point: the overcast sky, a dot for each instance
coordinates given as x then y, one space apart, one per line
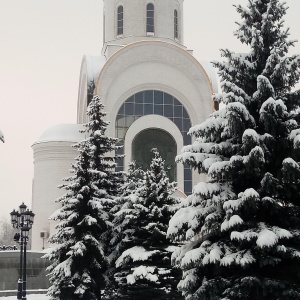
41 46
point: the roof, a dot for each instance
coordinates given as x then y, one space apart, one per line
211 73
94 65
62 133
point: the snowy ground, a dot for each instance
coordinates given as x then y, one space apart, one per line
29 297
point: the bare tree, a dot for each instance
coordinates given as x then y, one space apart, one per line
7 232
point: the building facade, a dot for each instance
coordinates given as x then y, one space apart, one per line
153 89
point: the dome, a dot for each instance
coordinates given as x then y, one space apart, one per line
62 133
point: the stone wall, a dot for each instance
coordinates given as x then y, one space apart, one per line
10 269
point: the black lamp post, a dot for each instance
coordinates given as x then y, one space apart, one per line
23 220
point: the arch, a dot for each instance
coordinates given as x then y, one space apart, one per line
120 20
162 52
156 122
150 18
153 103
150 138
176 24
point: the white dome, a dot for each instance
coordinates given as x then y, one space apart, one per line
63 133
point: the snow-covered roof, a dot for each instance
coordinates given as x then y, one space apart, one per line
211 74
94 65
62 133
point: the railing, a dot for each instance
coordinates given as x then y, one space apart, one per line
5 248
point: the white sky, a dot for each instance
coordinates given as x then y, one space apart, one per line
41 46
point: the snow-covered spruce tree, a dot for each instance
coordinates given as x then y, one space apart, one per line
242 227
143 267
79 249
132 180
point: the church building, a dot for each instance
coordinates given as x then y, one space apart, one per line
153 89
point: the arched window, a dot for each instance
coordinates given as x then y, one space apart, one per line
175 24
103 26
150 18
120 20
154 102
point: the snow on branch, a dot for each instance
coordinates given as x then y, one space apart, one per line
136 253
232 222
266 238
206 190
142 272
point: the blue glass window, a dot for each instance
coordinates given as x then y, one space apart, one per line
177 111
188 186
148 109
139 97
168 111
129 108
178 123
168 99
148 97
158 97
139 109
159 110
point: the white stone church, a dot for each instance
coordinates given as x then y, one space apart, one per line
153 89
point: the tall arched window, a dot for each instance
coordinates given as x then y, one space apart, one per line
150 18
103 26
175 24
120 20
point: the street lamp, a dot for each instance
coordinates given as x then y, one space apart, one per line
23 220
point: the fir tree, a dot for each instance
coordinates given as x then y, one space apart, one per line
120 232
132 182
80 245
242 226
143 266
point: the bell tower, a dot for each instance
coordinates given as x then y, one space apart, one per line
128 21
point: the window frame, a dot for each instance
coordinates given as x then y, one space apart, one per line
120 20
176 27
150 26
